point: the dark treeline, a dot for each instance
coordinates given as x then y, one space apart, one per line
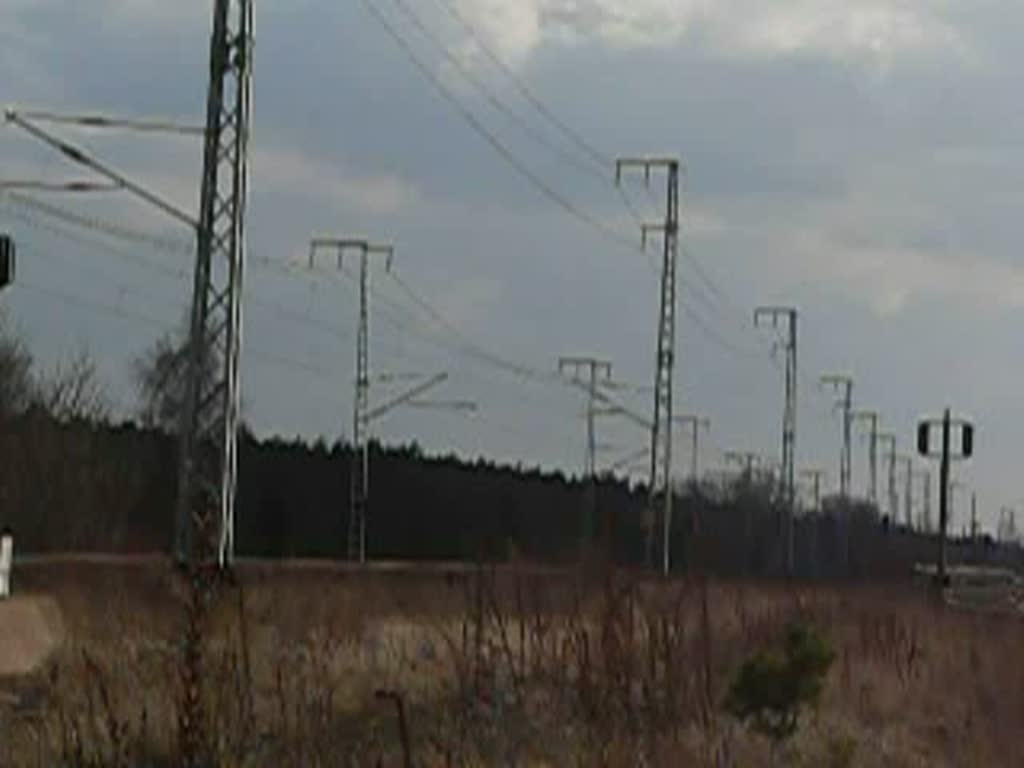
80 485
73 479
86 486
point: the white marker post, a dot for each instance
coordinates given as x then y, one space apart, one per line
6 561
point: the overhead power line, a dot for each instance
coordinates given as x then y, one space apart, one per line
599 160
134 256
93 120
73 186
118 231
598 157
83 158
590 160
106 228
601 171
180 274
471 347
495 143
124 314
455 339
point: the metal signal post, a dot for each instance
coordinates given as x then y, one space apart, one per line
924 431
661 431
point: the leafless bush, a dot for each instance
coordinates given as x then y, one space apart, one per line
518 667
73 391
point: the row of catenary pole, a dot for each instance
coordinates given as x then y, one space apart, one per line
207 478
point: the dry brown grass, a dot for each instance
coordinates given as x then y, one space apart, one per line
510 667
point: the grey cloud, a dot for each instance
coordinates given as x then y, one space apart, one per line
917 157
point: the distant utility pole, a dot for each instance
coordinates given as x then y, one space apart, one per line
695 424
746 460
360 464
630 462
908 490
661 430
789 315
954 486
815 476
1007 530
596 371
890 438
844 387
773 469
872 418
926 507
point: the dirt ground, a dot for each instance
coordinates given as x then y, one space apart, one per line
31 633
511 666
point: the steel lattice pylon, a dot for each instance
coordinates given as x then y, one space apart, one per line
208 459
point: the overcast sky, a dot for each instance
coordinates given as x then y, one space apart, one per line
857 160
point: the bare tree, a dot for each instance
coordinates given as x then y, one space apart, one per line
161 375
73 391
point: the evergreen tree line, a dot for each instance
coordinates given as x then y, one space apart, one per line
74 479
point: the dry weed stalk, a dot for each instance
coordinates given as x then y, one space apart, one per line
529 667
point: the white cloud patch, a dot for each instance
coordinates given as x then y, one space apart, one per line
878 30
297 173
467 302
512 29
889 277
699 222
158 13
